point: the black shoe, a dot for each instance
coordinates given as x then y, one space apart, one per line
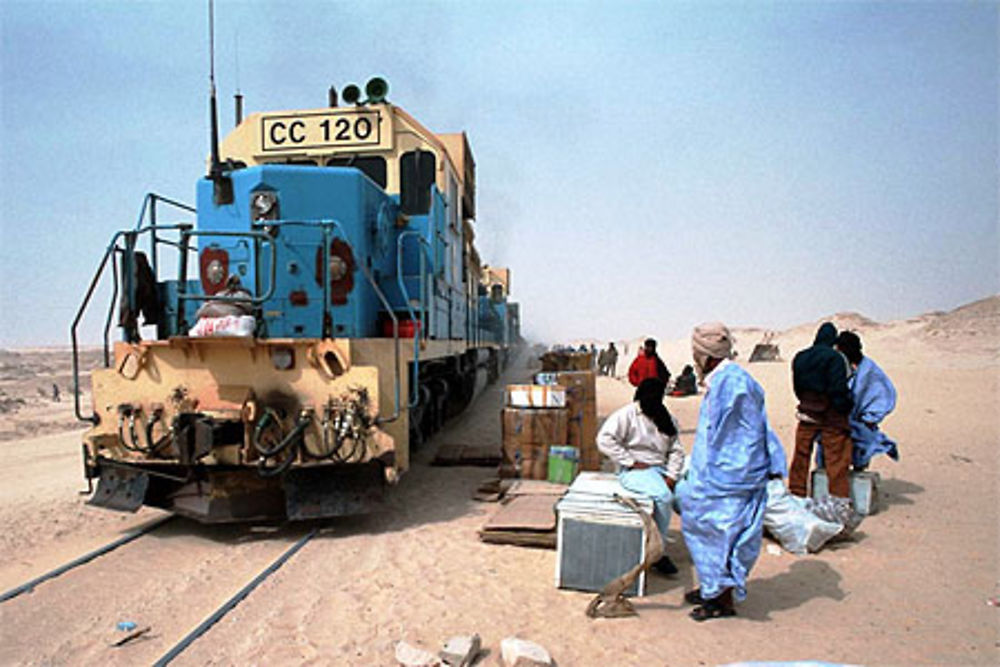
665 566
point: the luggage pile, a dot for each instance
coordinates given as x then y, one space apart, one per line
550 427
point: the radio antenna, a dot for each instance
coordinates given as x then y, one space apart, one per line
238 97
216 168
223 185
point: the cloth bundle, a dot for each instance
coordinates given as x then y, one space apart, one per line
794 524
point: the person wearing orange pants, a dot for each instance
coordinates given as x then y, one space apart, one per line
819 377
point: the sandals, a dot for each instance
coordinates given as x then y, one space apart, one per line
710 609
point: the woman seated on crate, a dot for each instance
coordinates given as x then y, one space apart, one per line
641 438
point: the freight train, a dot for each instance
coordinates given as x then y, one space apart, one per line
326 310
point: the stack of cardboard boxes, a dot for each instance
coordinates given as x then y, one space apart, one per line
581 402
567 361
559 411
534 418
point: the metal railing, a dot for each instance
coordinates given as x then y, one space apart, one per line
424 247
149 207
123 243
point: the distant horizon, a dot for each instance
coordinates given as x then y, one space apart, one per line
733 325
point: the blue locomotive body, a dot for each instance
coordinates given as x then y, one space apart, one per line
328 309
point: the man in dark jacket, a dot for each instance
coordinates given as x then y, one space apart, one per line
819 377
648 364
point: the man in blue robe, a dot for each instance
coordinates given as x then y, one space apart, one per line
874 398
723 497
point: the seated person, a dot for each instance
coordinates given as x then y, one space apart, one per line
641 438
686 384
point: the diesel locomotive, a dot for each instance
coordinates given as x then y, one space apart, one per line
325 310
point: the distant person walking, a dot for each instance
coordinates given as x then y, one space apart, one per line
647 364
610 360
819 378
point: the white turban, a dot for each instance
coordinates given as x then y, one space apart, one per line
712 339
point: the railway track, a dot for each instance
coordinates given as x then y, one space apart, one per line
201 628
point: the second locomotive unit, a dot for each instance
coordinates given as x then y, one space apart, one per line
327 309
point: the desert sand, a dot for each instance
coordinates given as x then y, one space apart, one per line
910 587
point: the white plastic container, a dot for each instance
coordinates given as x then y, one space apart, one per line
863 489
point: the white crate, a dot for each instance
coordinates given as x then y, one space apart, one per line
599 539
863 489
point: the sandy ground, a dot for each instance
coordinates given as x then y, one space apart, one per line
911 587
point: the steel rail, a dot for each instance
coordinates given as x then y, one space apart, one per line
232 602
86 558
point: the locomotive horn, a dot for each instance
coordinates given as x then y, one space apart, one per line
376 89
351 94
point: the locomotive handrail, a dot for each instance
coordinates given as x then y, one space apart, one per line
424 246
395 338
255 300
149 203
109 252
112 246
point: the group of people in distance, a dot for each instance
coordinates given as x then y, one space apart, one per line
648 364
720 490
607 359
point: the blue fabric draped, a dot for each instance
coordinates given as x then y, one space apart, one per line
874 398
723 498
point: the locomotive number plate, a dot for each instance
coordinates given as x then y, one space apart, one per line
342 128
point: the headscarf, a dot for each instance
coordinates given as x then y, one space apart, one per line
711 340
849 343
649 393
826 335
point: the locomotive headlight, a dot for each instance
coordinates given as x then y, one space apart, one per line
264 205
215 272
283 358
338 268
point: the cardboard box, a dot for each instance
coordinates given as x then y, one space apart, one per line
567 361
534 426
564 463
525 429
534 463
535 396
863 489
581 401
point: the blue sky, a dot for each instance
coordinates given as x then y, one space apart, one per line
642 166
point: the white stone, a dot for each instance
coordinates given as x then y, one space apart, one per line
461 651
523 653
412 656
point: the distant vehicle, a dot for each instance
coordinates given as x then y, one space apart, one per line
327 309
766 349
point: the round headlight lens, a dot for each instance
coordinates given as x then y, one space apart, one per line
215 273
283 358
263 205
338 268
